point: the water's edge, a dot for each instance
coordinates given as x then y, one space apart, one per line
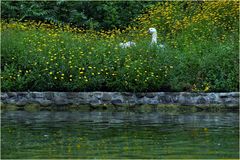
122 100
114 135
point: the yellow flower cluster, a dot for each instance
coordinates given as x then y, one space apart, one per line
64 53
173 17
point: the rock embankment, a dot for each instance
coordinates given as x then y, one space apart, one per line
229 99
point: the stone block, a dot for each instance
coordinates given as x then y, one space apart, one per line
37 95
116 95
153 101
4 96
22 101
127 94
58 102
182 100
94 102
117 102
22 94
188 94
106 97
82 95
150 95
140 95
60 94
98 95
49 95
201 100
44 102
12 100
234 94
223 95
12 94
165 99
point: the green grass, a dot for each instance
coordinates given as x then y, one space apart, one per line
44 59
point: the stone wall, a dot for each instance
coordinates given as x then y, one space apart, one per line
230 99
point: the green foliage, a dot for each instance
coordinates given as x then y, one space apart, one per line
201 52
95 15
73 63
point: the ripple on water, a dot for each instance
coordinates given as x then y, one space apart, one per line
46 134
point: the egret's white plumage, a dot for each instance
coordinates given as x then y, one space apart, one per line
153 32
127 44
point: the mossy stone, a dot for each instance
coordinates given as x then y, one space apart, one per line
11 107
32 107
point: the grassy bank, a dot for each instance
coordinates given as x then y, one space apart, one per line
201 53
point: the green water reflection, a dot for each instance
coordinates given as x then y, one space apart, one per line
102 135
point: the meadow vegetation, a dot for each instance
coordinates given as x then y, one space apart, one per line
201 53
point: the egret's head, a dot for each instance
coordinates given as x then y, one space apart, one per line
152 30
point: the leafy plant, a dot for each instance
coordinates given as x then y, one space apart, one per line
200 54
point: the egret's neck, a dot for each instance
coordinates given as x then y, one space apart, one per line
154 38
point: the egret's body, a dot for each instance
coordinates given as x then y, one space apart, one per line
153 32
127 44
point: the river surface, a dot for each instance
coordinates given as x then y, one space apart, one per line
107 134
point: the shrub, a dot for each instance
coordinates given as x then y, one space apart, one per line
201 53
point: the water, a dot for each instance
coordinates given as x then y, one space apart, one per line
106 134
